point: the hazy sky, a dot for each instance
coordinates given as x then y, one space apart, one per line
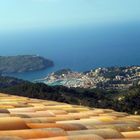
20 14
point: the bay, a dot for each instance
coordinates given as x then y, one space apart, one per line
79 49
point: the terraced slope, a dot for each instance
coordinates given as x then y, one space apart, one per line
32 119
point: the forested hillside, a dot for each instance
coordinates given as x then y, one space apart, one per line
126 101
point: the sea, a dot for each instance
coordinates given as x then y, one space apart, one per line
78 48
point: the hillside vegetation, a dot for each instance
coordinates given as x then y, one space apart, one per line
125 101
23 63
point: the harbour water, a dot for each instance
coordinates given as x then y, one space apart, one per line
79 49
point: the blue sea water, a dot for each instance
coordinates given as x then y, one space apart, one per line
79 49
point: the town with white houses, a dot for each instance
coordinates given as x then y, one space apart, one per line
105 78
